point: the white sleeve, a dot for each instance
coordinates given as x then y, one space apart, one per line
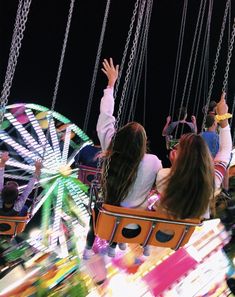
223 156
105 125
225 145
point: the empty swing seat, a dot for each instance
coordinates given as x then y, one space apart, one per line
11 226
86 174
155 228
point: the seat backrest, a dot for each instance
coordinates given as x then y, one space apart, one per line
12 225
86 174
154 228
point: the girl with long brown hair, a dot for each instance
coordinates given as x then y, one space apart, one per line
187 188
131 171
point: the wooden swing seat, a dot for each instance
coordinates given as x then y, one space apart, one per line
112 219
86 174
11 226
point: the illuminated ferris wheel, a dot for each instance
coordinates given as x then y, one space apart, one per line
30 132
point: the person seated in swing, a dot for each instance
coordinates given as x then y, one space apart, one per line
211 110
187 189
212 139
210 134
89 154
173 130
131 171
11 203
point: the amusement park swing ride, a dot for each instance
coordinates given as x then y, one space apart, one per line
30 131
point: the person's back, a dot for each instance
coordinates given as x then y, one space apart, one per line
129 172
187 188
180 128
210 135
89 156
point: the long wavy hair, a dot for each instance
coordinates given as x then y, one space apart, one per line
190 184
121 161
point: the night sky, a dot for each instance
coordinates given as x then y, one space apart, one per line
37 66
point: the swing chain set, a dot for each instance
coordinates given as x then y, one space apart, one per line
50 114
126 81
230 50
216 62
18 34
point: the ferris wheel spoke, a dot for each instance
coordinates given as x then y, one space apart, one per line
54 139
79 132
47 194
26 136
37 128
40 134
18 165
16 177
71 158
66 145
79 197
57 216
25 153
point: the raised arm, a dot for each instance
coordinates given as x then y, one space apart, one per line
222 158
105 125
194 122
164 130
22 198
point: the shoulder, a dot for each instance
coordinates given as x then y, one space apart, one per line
163 172
152 161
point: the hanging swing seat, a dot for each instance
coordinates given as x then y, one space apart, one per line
86 174
11 226
111 220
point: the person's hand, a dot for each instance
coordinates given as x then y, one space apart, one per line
4 159
168 119
110 71
222 107
193 119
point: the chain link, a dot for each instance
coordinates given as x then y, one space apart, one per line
200 15
97 62
50 113
230 50
18 34
129 68
215 63
126 47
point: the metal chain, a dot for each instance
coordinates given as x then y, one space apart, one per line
189 66
18 34
97 62
178 60
130 62
230 50
140 58
130 65
195 56
126 47
50 114
203 68
215 63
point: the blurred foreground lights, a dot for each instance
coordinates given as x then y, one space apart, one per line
34 233
120 285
